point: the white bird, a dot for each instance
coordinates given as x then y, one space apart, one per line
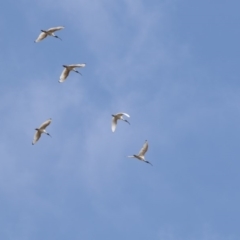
68 68
116 117
49 32
140 155
40 130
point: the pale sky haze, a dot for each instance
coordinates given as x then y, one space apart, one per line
173 66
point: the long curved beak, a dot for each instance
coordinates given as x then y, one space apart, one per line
78 72
58 37
127 122
49 135
148 162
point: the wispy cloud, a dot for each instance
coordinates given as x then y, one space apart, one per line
82 176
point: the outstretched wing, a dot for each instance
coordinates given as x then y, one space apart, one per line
41 36
120 114
54 29
80 65
64 75
37 135
125 114
143 149
45 124
114 124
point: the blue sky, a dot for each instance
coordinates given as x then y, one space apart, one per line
173 66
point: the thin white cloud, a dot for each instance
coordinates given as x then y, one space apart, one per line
84 156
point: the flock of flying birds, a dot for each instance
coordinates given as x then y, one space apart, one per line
64 75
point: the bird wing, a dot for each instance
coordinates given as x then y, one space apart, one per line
37 135
41 36
143 149
125 114
80 65
45 124
114 124
120 114
54 29
64 74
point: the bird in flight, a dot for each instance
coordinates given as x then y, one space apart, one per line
49 32
40 130
141 154
68 68
116 117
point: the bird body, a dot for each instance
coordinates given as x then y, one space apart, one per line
49 32
68 68
40 130
141 153
116 117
